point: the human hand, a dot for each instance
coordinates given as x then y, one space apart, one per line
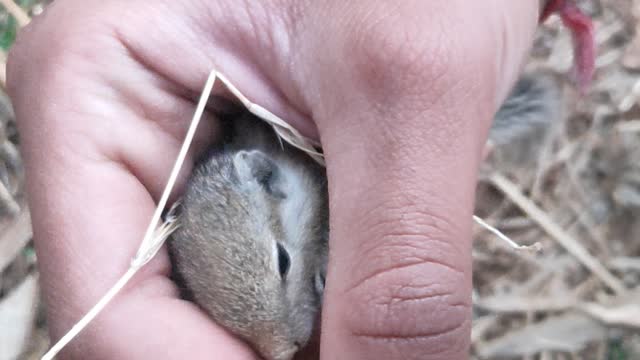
401 96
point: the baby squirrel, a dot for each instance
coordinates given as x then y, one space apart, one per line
253 242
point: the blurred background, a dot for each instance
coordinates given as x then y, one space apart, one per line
574 190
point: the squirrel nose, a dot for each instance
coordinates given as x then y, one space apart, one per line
286 354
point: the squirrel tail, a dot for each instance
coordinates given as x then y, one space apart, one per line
531 107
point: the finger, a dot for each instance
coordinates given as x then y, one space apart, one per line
94 162
403 138
89 219
248 43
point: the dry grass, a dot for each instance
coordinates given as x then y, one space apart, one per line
580 198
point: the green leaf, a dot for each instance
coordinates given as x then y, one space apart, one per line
8 33
617 351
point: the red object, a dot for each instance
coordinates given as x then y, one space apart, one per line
584 48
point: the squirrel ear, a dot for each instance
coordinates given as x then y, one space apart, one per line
252 165
255 165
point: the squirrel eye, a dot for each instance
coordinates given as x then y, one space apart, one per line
284 261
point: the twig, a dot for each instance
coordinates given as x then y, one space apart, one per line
535 247
3 71
556 232
16 11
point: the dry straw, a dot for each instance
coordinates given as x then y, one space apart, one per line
16 11
157 233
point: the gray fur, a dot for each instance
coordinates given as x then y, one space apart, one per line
531 106
225 250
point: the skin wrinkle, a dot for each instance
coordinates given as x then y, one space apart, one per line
159 124
399 294
78 47
205 49
437 97
413 336
393 327
427 229
207 42
432 342
405 249
129 159
402 264
309 16
268 72
183 98
126 156
163 83
444 140
410 329
425 224
294 27
405 265
412 61
400 212
439 345
278 66
401 145
396 299
424 234
479 121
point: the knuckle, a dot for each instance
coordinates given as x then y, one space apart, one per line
397 54
410 311
411 292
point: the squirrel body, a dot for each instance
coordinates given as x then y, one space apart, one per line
252 244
